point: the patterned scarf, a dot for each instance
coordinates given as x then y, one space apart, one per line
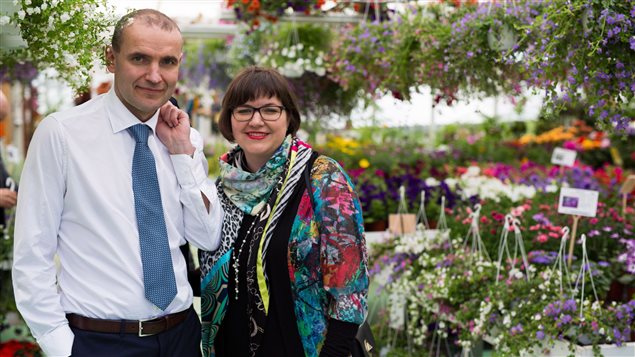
215 265
250 191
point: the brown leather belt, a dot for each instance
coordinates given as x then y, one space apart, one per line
141 328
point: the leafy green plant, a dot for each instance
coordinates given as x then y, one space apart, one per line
65 35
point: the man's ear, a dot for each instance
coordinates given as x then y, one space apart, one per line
110 59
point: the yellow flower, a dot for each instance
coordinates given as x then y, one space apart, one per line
589 144
363 163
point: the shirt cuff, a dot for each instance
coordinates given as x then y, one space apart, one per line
189 171
57 343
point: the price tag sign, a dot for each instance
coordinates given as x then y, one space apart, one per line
563 157
628 186
578 202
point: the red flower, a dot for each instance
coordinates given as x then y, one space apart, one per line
13 348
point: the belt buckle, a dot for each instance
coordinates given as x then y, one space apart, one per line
141 334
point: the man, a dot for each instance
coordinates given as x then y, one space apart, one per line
8 196
91 194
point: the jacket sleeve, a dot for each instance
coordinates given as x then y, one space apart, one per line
343 255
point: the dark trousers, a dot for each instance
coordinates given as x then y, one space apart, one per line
182 340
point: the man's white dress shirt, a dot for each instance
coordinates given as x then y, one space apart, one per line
76 201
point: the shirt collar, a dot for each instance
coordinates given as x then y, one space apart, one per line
121 118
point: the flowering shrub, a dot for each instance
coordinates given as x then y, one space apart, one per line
582 51
360 56
454 291
13 348
252 11
481 50
295 49
66 35
578 52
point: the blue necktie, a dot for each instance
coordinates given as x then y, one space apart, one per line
158 273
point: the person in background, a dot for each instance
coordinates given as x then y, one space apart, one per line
8 194
290 277
114 191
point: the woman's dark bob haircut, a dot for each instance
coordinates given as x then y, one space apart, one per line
253 83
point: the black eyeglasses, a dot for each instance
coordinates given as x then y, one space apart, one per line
268 112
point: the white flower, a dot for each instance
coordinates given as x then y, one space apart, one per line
507 321
431 181
65 17
4 20
473 171
451 182
27 2
537 317
21 14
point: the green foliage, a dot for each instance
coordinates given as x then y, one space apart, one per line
66 35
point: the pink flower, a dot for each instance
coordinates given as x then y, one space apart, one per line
569 145
542 238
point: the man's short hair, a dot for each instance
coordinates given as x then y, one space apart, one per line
148 17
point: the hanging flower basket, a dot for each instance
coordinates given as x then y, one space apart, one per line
65 35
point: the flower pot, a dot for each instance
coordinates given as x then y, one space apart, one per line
380 225
620 292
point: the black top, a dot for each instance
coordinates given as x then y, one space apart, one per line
281 336
233 335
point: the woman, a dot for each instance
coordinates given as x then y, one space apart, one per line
290 277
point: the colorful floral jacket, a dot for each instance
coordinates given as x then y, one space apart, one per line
327 255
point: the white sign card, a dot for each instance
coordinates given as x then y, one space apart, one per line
563 157
578 202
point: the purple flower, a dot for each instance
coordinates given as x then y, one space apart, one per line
540 335
569 305
617 334
540 218
470 54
